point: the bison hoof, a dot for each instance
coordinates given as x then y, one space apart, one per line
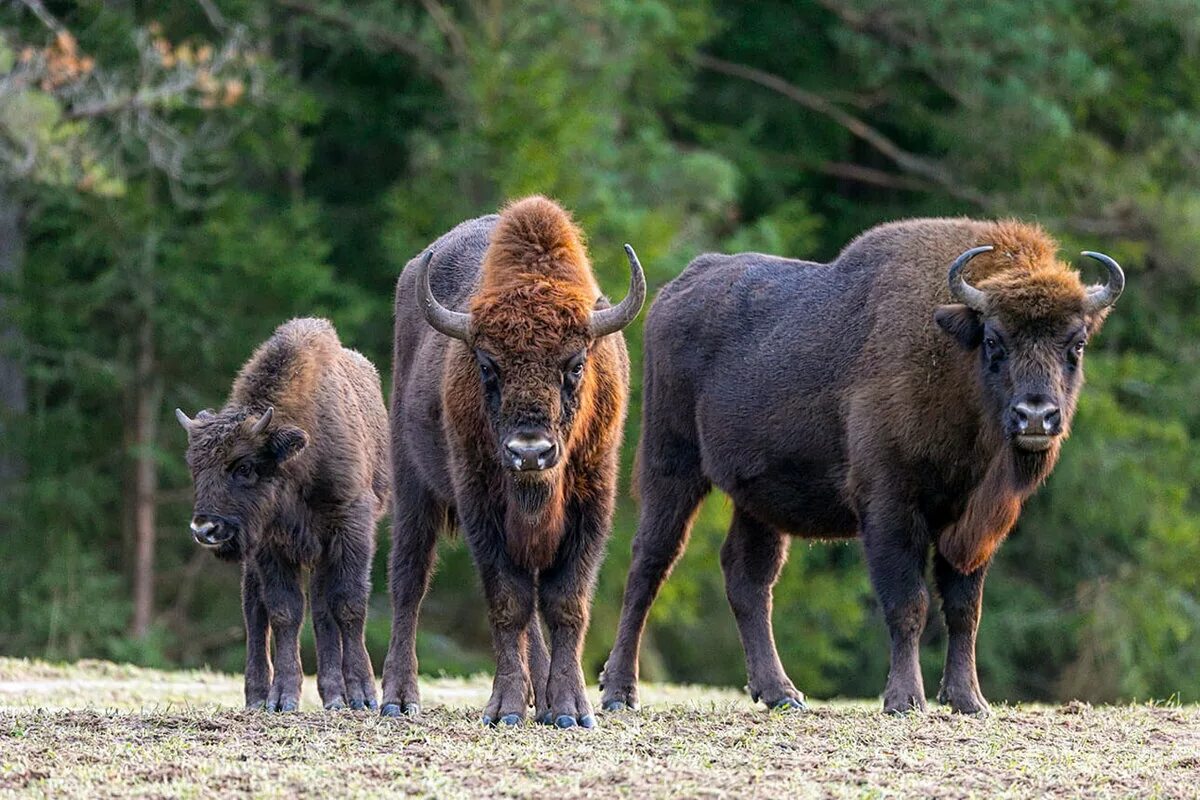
546 719
618 705
510 719
256 705
357 705
335 705
789 704
587 721
564 721
398 710
904 706
287 706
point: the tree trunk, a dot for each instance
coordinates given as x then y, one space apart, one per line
12 372
147 398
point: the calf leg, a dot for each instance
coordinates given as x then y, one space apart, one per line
284 600
752 558
962 599
670 495
416 518
258 634
896 541
349 593
330 683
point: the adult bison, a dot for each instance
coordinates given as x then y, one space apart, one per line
506 420
867 396
292 475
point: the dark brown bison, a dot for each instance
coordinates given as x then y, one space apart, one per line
506 421
868 396
292 475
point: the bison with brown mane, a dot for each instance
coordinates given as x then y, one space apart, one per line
869 396
506 422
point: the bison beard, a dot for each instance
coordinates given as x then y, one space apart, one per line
532 367
914 393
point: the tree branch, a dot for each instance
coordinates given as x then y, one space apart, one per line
441 17
909 162
388 40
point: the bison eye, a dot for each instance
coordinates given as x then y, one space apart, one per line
244 471
1079 347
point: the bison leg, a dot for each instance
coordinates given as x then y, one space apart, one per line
896 542
416 518
962 599
669 502
752 558
565 594
330 683
539 664
284 599
258 634
510 596
348 598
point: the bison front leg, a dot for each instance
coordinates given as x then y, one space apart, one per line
258 634
283 597
962 600
350 590
752 558
539 664
510 596
896 542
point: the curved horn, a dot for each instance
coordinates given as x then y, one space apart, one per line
962 291
1099 297
611 320
454 324
263 421
185 422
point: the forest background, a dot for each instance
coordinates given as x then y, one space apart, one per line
177 178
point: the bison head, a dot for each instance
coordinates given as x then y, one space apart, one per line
531 343
1029 324
235 457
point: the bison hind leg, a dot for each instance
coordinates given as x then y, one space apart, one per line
752 558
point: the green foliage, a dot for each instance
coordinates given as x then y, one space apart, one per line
369 129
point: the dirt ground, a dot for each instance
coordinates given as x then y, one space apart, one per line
104 730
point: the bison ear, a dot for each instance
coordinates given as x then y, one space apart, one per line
962 323
286 442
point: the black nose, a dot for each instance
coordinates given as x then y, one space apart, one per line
531 451
210 531
1037 416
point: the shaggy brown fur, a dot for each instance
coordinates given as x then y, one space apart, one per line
303 492
536 536
830 400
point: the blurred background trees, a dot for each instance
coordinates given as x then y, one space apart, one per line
178 178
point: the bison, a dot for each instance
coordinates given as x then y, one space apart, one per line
290 476
868 396
506 422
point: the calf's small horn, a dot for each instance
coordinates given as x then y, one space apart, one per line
1099 297
611 320
185 421
962 291
263 421
454 324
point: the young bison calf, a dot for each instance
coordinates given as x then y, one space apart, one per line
291 475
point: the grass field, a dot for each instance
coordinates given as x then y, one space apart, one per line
104 730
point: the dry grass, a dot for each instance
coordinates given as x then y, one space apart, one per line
100 730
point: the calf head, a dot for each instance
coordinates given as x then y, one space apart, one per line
1028 321
236 458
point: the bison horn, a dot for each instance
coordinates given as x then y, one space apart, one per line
1099 297
611 320
962 291
263 421
454 324
185 421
